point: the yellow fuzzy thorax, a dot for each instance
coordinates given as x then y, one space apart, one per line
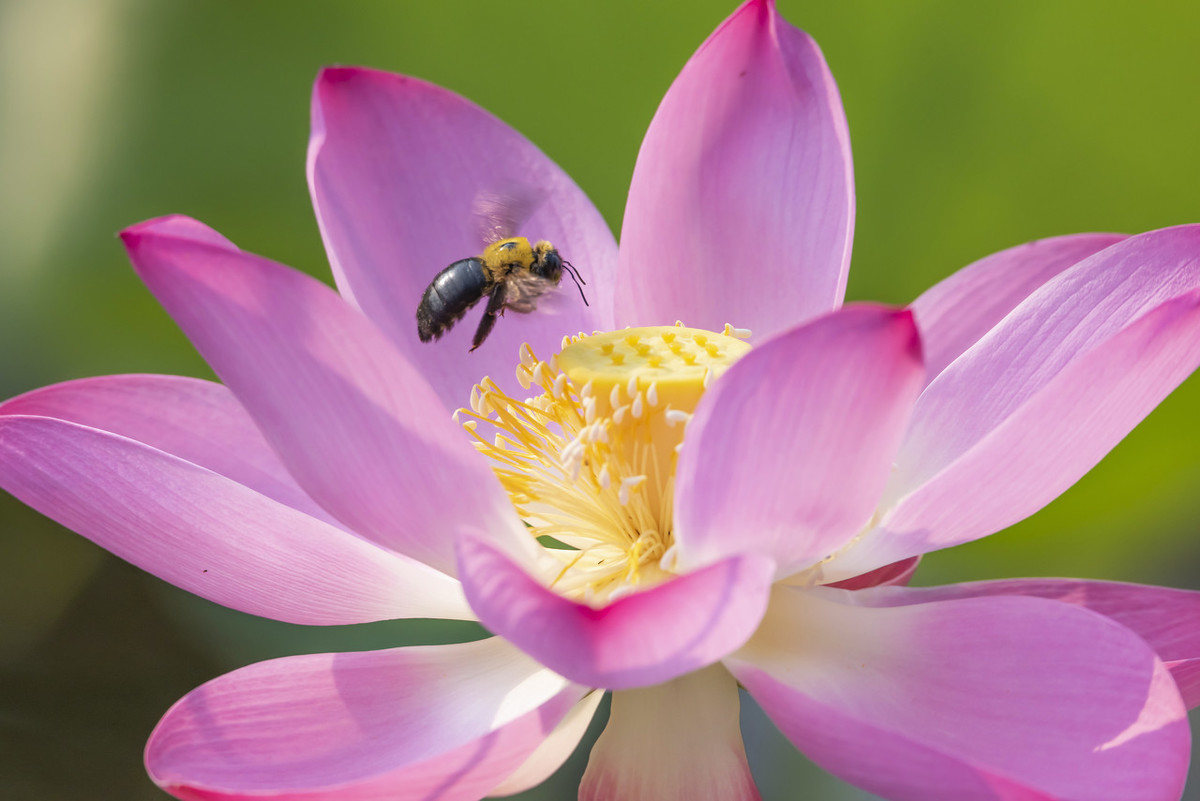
589 463
500 257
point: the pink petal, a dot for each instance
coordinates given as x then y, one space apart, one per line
1045 445
1069 316
987 698
447 722
955 313
198 421
789 452
1167 619
553 751
355 424
678 740
742 204
637 640
896 573
209 534
1186 673
395 167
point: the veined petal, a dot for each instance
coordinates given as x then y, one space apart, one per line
1167 619
956 312
982 698
554 750
1069 317
446 721
741 208
640 639
789 452
198 421
356 425
675 740
1044 446
398 170
209 534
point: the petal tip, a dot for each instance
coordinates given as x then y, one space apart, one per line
171 227
153 225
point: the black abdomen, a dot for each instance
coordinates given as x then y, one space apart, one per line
447 298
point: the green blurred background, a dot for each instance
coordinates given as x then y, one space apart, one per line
975 127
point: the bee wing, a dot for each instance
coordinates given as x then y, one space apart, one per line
499 215
524 289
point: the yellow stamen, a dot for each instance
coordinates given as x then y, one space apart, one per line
590 462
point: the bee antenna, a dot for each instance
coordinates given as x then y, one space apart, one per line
577 278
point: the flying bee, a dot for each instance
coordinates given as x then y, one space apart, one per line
511 273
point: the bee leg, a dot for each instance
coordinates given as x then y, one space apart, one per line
495 306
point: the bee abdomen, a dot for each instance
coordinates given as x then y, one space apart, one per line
447 298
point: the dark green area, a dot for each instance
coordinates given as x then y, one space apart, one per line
975 127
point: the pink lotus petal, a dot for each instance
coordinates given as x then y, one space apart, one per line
1167 619
742 204
447 722
678 740
1186 673
553 751
977 699
198 421
795 471
355 424
1045 445
209 534
637 640
955 313
395 168
1074 313
896 573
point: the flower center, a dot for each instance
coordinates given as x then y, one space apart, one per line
590 462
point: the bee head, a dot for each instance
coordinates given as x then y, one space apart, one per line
546 262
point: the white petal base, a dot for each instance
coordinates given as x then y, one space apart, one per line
678 741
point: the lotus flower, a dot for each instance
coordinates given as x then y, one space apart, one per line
659 511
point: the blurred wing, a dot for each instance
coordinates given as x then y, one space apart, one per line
499 215
524 289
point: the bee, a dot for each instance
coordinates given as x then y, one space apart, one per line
511 272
